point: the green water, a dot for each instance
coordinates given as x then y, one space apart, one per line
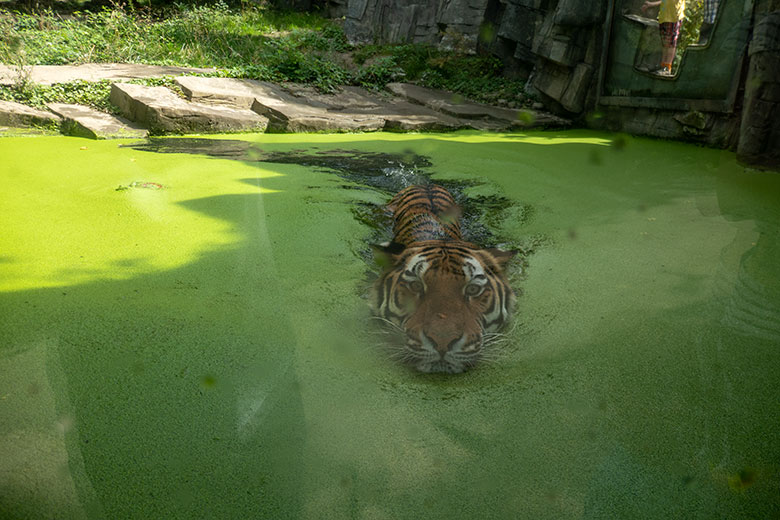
201 350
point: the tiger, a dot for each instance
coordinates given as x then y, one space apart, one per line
446 296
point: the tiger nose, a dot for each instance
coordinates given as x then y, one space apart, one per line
442 341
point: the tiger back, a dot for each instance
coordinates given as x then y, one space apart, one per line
446 297
424 213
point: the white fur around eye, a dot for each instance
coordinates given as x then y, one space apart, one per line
473 269
417 265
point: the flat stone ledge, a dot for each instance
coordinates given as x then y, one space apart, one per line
298 108
162 111
51 74
83 121
484 117
231 92
397 114
18 115
285 111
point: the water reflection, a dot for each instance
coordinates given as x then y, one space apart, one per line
752 308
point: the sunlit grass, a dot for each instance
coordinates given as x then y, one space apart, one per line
248 42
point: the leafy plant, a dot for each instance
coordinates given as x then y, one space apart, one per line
241 39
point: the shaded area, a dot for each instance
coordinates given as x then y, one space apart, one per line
387 172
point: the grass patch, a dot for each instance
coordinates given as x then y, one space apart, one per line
93 94
247 41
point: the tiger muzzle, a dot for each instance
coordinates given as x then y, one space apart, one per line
442 328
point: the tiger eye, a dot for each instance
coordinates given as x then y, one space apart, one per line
473 290
416 286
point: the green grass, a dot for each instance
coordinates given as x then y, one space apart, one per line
246 41
94 94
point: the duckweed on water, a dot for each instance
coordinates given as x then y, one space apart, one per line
201 351
387 172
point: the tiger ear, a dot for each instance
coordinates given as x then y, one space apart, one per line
385 254
502 257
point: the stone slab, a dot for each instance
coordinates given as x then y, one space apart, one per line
18 115
81 121
51 74
285 112
299 108
397 114
162 111
476 115
229 92
291 113
573 99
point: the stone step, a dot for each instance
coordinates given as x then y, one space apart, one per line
483 117
81 121
162 112
18 115
297 108
285 112
231 92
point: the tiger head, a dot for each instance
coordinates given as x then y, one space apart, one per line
446 298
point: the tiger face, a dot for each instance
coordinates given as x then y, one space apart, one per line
446 298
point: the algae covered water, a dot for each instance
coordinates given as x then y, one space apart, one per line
183 332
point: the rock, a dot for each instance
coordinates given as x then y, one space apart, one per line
574 98
519 24
693 119
291 113
531 4
162 111
396 114
298 108
218 91
560 44
51 74
284 111
552 80
83 121
18 115
578 13
475 115
759 136
454 23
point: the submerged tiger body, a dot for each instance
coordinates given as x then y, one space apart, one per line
446 295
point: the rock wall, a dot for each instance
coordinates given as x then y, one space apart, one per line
557 42
447 23
759 140
560 47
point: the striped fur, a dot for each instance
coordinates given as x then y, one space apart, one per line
424 213
445 294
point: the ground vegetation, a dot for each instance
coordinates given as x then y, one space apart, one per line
242 39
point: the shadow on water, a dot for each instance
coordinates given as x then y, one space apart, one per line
387 172
176 386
